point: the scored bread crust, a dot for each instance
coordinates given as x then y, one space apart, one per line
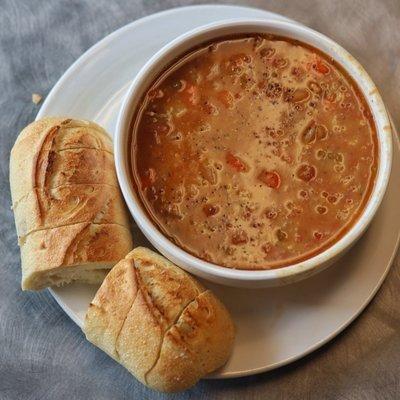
60 151
159 322
110 306
61 168
198 343
51 254
44 208
72 223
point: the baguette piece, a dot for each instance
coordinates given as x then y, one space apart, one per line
159 322
58 256
71 221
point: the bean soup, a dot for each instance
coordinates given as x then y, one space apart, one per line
254 152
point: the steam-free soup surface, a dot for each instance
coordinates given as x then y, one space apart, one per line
254 152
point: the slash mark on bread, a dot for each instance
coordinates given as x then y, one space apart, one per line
129 309
171 326
22 239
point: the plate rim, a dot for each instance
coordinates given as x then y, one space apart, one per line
84 57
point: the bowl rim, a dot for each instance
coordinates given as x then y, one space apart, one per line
307 35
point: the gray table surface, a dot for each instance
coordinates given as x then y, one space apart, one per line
43 355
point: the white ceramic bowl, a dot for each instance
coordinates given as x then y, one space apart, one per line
212 272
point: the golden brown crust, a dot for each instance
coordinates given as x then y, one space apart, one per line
92 245
139 340
197 344
44 208
110 306
171 317
49 153
61 168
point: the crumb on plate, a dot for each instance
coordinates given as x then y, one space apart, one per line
36 98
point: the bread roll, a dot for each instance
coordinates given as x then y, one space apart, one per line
159 322
71 221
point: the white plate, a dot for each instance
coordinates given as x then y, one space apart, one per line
274 326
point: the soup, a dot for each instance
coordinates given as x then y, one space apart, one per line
254 152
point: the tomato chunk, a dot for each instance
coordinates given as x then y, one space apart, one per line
235 162
271 178
321 67
210 210
318 235
306 172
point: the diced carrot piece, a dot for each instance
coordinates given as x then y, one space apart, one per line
318 235
270 178
321 67
235 162
210 210
306 172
